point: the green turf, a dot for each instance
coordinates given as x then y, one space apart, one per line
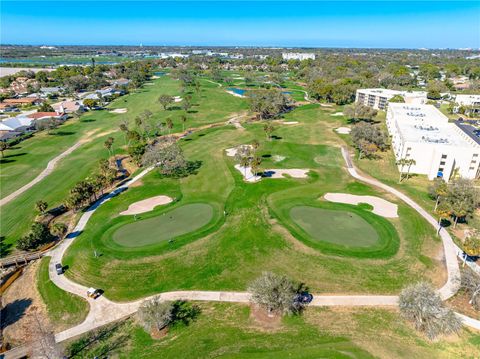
64 309
166 226
338 227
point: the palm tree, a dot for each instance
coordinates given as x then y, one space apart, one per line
255 163
3 147
410 162
59 229
402 162
169 124
268 128
183 118
109 145
41 206
441 190
443 211
255 145
245 162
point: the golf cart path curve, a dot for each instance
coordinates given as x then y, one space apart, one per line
104 311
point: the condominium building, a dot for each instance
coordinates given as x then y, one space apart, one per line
470 103
378 98
298 56
439 148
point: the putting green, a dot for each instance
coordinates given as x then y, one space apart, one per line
179 221
338 227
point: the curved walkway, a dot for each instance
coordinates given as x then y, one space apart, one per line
104 311
50 167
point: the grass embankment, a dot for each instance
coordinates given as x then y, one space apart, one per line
30 157
228 330
247 241
64 309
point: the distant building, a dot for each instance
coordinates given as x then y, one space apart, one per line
18 124
51 91
439 148
23 101
470 103
47 115
298 56
378 98
69 107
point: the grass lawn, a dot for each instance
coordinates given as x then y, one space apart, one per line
29 158
64 309
229 331
335 226
252 238
168 226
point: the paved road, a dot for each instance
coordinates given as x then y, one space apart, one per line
450 249
104 311
50 167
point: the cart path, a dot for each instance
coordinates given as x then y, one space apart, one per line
104 311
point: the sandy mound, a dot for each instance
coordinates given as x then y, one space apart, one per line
343 130
380 206
292 172
290 122
146 205
119 110
337 114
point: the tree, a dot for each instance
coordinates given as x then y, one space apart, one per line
59 229
268 128
165 101
41 206
276 293
187 103
108 144
438 190
462 198
471 244
420 304
155 314
470 283
255 164
167 156
90 103
397 99
268 103
3 147
443 211
183 118
169 124
38 235
409 162
255 145
244 157
358 112
364 133
45 107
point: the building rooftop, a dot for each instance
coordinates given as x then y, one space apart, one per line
391 93
468 100
425 124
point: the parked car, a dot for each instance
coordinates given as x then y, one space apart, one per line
304 298
94 293
59 268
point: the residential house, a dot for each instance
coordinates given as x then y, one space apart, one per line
69 107
25 101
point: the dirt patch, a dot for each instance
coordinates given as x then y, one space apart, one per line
24 312
158 334
460 303
264 321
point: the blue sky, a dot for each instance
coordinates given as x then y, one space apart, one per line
395 24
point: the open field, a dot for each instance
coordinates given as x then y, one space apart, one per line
230 331
64 309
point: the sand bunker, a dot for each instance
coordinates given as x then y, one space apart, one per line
278 158
146 205
231 152
292 172
177 99
337 114
380 206
248 174
119 110
290 122
343 130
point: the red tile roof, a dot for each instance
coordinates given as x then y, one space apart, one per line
38 115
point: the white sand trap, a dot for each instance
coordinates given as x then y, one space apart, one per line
177 99
380 206
325 105
146 205
119 110
279 173
235 94
343 130
248 174
337 114
290 122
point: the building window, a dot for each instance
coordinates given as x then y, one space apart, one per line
444 156
471 168
442 163
475 155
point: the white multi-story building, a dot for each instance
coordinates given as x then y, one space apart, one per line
439 148
471 103
298 56
378 98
